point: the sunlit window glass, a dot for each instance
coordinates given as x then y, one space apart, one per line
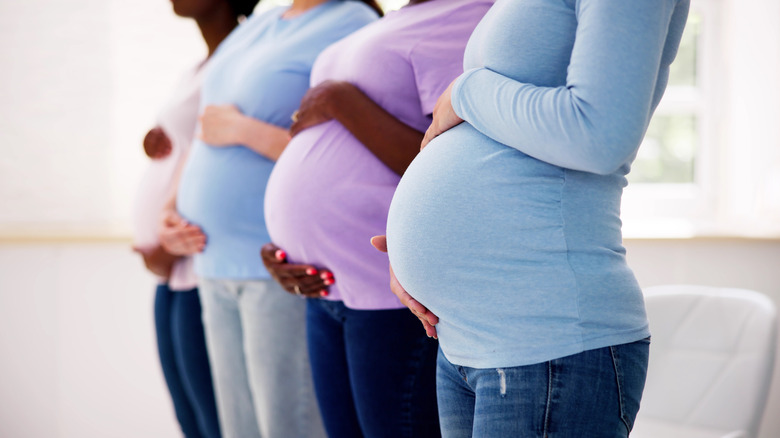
668 152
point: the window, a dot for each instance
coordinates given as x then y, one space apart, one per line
668 153
710 162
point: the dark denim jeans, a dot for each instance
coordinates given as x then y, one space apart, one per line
185 363
374 371
593 394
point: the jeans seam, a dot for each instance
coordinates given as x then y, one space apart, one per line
414 365
548 404
618 382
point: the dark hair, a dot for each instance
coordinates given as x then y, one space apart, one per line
375 6
243 7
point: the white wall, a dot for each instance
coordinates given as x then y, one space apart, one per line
77 341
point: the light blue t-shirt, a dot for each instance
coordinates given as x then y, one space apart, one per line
263 68
508 225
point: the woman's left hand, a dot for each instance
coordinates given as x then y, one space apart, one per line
444 117
157 260
299 279
157 144
317 105
219 125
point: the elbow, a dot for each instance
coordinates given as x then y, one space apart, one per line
608 153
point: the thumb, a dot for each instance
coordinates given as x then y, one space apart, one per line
380 243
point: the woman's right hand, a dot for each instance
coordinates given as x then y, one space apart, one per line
157 144
178 236
298 279
426 317
316 105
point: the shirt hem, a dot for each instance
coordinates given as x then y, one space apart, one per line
517 358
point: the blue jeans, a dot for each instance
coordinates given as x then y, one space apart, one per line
595 394
256 337
374 371
185 363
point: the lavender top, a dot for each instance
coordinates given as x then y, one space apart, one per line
328 194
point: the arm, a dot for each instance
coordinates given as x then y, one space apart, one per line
224 125
393 142
597 120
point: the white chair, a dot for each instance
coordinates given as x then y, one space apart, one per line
711 360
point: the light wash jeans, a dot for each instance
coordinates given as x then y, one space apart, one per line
593 394
256 338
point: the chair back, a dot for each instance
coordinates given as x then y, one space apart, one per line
711 361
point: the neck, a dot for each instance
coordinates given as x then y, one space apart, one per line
215 26
300 6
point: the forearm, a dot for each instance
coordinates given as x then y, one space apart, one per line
265 139
393 142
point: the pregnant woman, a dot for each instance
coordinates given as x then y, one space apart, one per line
358 129
506 226
254 331
177 310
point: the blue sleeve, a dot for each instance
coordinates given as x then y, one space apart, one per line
596 121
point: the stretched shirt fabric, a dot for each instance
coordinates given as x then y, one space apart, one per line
507 226
263 68
328 194
177 119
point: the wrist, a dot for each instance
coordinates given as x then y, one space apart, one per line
241 130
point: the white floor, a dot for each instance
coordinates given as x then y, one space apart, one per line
77 349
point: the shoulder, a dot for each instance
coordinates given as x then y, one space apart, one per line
456 15
451 24
354 10
467 9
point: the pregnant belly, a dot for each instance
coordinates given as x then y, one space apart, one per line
327 194
471 215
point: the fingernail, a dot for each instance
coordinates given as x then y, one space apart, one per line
311 271
326 275
328 282
324 293
280 254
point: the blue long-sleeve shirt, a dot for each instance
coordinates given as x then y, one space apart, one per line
508 225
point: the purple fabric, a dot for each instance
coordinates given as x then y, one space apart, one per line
328 194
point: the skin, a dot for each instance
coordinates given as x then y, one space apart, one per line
216 20
298 279
157 260
224 125
444 117
393 142
157 144
426 317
